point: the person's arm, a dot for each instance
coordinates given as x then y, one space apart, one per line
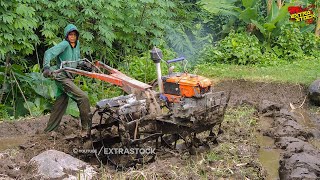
53 52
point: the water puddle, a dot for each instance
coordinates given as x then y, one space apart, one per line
11 142
268 155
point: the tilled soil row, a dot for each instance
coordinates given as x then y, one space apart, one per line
300 159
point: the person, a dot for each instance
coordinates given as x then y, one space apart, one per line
67 50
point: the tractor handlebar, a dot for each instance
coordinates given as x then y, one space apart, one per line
175 60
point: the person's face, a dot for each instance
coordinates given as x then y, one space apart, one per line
72 37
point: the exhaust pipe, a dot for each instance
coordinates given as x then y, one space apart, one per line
156 56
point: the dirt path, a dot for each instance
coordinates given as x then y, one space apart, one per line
21 140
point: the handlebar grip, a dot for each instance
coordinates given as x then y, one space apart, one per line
175 60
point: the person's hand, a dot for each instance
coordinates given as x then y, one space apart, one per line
47 72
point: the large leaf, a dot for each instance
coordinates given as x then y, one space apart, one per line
72 108
282 14
222 7
248 3
273 12
37 107
41 85
259 26
248 15
269 26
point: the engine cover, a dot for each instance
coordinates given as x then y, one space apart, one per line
187 85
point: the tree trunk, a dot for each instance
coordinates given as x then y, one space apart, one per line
269 5
5 77
317 33
279 3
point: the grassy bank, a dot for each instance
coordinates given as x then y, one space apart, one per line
302 72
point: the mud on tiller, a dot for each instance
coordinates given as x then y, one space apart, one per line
185 105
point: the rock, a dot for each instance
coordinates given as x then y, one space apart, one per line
314 92
55 164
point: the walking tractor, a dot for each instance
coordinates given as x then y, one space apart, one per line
185 106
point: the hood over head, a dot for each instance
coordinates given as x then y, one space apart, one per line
69 28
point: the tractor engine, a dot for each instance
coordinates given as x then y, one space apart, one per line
189 95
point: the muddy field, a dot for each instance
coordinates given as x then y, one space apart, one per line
263 139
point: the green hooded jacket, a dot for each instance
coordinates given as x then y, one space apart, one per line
63 51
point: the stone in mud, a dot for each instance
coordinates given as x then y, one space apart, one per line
314 92
53 164
300 166
267 106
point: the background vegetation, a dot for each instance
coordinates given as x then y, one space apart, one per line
223 38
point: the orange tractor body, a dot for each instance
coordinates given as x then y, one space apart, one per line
185 85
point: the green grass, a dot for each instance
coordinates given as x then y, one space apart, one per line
302 72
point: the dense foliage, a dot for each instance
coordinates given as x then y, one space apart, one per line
108 27
268 38
120 33
237 48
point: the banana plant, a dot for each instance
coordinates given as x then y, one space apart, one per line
250 11
276 18
246 13
220 7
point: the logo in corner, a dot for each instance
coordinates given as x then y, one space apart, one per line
298 14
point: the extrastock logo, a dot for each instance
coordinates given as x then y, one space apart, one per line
298 14
120 151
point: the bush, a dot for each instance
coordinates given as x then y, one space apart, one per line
242 48
236 48
311 45
142 67
292 44
287 44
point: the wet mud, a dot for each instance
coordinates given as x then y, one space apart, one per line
290 137
286 134
292 131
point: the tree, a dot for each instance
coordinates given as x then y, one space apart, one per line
17 24
269 6
317 31
280 3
